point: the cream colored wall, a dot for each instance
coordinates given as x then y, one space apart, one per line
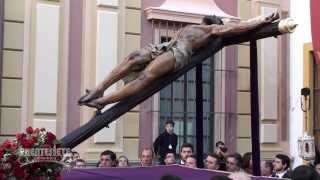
28 73
11 77
268 85
42 65
128 19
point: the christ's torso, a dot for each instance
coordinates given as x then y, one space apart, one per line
195 36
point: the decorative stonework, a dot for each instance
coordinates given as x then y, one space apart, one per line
189 11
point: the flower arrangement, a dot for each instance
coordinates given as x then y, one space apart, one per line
34 154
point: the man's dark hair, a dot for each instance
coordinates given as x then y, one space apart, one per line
170 177
214 155
304 172
208 20
219 143
220 161
169 121
284 159
238 158
110 153
186 145
174 154
146 149
220 178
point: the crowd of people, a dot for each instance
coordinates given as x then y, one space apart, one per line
164 153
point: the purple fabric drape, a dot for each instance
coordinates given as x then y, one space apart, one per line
148 173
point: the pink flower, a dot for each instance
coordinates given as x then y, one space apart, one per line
36 130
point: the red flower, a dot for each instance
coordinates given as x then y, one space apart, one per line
14 161
14 147
35 139
20 136
29 130
28 143
23 142
19 172
50 137
7 144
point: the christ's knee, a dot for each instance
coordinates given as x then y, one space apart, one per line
132 62
147 76
127 65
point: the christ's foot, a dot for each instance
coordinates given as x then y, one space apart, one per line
89 96
94 104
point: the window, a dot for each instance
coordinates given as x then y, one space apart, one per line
178 102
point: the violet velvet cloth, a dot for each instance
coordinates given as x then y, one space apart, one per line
141 173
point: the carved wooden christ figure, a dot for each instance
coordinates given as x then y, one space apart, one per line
142 67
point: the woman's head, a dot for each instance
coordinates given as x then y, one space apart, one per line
123 161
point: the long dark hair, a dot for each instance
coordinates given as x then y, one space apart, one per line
208 20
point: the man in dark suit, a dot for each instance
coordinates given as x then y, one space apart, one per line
281 166
166 142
